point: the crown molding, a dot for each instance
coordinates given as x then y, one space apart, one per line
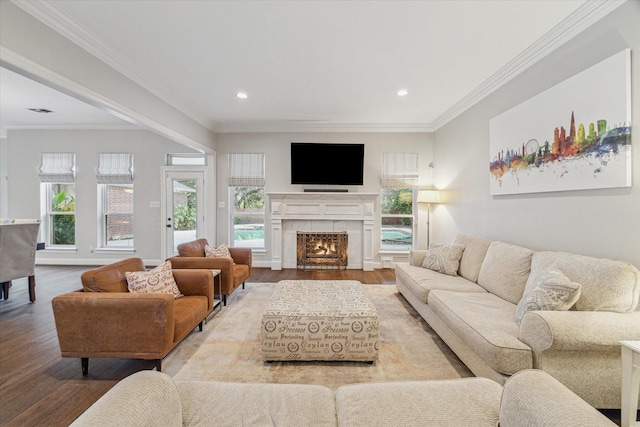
284 126
585 16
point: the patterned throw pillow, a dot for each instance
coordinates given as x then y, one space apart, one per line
551 291
157 281
444 259
221 251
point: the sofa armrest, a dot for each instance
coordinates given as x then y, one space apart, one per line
416 257
201 263
114 324
225 265
241 255
578 330
534 398
195 282
144 398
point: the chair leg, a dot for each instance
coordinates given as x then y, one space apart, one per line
85 365
159 365
242 285
224 300
201 325
5 289
32 288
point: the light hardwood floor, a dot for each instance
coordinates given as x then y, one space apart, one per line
38 387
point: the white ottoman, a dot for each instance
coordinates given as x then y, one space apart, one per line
319 320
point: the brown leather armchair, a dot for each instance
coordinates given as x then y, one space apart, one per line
105 320
234 271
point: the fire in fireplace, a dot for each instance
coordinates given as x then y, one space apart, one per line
322 250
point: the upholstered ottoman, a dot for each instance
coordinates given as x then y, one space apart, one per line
319 320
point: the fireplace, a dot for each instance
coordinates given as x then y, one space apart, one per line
322 250
352 212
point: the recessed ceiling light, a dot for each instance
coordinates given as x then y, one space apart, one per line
40 110
242 95
402 92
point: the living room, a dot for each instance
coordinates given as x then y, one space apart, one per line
452 155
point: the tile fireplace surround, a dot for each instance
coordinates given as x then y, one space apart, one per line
316 211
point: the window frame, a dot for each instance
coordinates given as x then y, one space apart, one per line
103 213
48 215
412 216
233 214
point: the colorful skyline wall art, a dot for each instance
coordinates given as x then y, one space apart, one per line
574 136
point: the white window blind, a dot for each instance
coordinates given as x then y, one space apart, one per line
399 170
246 169
115 168
58 167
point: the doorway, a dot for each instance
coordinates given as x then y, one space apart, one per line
184 212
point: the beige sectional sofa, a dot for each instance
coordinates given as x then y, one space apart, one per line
531 398
474 312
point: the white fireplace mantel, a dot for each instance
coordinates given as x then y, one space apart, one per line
350 208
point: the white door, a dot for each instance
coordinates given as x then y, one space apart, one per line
184 213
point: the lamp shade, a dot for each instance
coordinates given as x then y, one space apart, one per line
428 196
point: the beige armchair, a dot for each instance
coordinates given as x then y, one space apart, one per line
18 241
233 271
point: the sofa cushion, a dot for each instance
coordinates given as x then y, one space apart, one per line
157 281
486 323
421 281
552 291
209 403
475 249
146 398
221 251
187 312
191 249
505 270
451 402
444 259
606 285
110 278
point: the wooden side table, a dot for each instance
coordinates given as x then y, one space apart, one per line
630 382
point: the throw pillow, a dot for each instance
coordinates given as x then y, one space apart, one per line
221 251
444 259
157 281
553 290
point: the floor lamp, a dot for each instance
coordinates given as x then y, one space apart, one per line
428 197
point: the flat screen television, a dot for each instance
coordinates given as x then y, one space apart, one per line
327 164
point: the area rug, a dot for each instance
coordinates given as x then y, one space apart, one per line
229 347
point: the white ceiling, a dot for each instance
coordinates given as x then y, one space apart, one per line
18 94
316 63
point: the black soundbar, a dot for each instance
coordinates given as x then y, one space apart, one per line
326 190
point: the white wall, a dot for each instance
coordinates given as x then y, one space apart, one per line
603 223
276 147
23 156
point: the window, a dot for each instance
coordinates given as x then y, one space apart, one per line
57 175
396 219
115 200
246 189
117 215
186 159
399 182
